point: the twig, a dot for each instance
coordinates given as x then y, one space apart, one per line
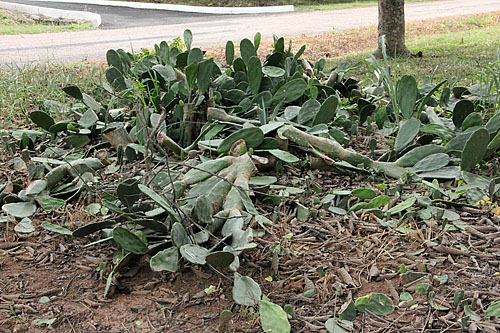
149 321
65 293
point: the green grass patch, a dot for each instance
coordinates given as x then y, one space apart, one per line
260 3
329 5
300 5
27 88
14 24
462 55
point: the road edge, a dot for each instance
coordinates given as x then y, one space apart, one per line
184 8
93 18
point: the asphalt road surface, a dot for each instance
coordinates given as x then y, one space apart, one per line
123 17
211 30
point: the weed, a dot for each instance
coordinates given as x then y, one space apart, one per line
10 311
478 21
489 84
26 88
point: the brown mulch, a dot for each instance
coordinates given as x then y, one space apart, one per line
341 258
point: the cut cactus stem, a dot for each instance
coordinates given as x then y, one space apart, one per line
334 150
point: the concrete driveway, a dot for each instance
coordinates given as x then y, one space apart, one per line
213 31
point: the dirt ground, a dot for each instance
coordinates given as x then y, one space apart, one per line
48 276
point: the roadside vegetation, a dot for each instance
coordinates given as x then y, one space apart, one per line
259 185
16 23
460 54
459 46
300 5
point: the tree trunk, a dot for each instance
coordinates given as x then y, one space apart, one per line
391 23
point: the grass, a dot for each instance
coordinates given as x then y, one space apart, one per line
462 55
314 5
27 88
14 24
300 5
259 3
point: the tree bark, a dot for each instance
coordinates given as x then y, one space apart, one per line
391 23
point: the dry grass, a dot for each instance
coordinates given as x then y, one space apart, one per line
16 23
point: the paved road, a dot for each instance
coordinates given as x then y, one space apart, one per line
123 17
92 45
